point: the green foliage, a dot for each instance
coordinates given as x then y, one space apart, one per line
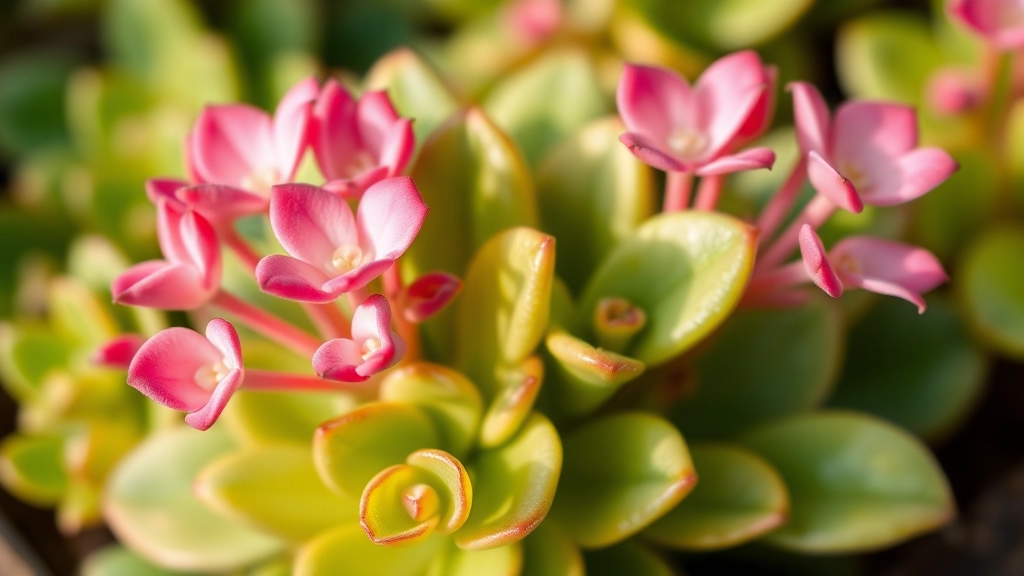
992 287
32 102
722 25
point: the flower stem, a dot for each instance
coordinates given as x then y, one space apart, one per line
241 249
781 278
329 321
285 382
407 330
677 191
782 202
815 214
267 324
708 192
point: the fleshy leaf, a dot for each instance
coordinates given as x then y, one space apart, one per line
116 560
549 551
513 486
722 25
583 377
27 354
503 310
739 497
630 558
347 550
353 448
992 286
451 401
791 359
685 270
541 104
77 314
621 473
240 485
504 560
32 101
855 483
32 467
922 372
268 417
513 402
150 506
598 203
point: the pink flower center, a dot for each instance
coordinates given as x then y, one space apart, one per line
859 178
687 143
847 264
361 162
208 377
370 346
346 258
262 180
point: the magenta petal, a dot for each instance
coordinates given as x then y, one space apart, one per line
119 351
816 263
337 360
872 135
760 117
752 159
352 189
918 172
161 285
375 116
886 288
811 118
727 93
646 151
914 268
169 213
428 295
357 277
334 133
207 415
165 368
230 143
372 322
164 189
291 278
831 184
291 125
389 217
397 147
653 101
222 335
311 223
222 204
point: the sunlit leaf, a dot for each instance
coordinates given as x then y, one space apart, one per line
504 560
347 550
724 24
32 101
583 376
32 467
549 551
512 402
991 281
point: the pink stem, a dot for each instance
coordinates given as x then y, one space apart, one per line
328 319
356 297
677 191
267 324
708 192
392 282
241 249
815 213
787 276
407 330
782 202
285 382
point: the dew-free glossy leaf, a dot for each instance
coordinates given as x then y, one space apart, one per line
450 400
739 497
790 358
116 560
541 104
582 376
275 488
513 486
32 467
77 314
722 25
27 354
347 550
630 558
685 270
621 473
592 193
504 560
32 101
150 506
991 282
354 447
269 417
513 402
921 371
856 483
549 551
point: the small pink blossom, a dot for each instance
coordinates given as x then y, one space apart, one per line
676 128
358 143
953 91
184 371
875 265
219 204
534 20
1001 22
373 348
241 146
428 295
190 274
119 351
331 251
867 154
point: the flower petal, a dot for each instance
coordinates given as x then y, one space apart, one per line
914 268
653 101
222 335
389 217
165 368
872 135
372 322
816 263
222 204
206 416
158 189
428 295
335 135
311 223
337 360
375 115
644 149
161 285
202 247
751 159
729 92
357 277
810 114
917 173
291 278
291 125
886 288
231 143
831 184
119 351
397 146
352 189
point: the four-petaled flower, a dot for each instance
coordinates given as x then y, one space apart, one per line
374 347
1001 22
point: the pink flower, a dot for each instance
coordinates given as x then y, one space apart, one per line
219 204
867 154
241 146
1001 22
119 351
953 91
678 129
534 20
358 143
184 371
333 252
875 265
428 295
373 348
190 275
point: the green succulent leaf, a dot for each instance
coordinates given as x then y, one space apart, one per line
274 488
32 467
922 372
416 89
791 358
450 400
347 550
582 377
550 551
513 402
992 287
630 558
596 204
541 104
267 30
685 270
721 25
855 483
621 473
740 496
352 448
77 314
142 35
27 354
117 560
150 506
504 560
32 101
503 309
513 486
270 417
